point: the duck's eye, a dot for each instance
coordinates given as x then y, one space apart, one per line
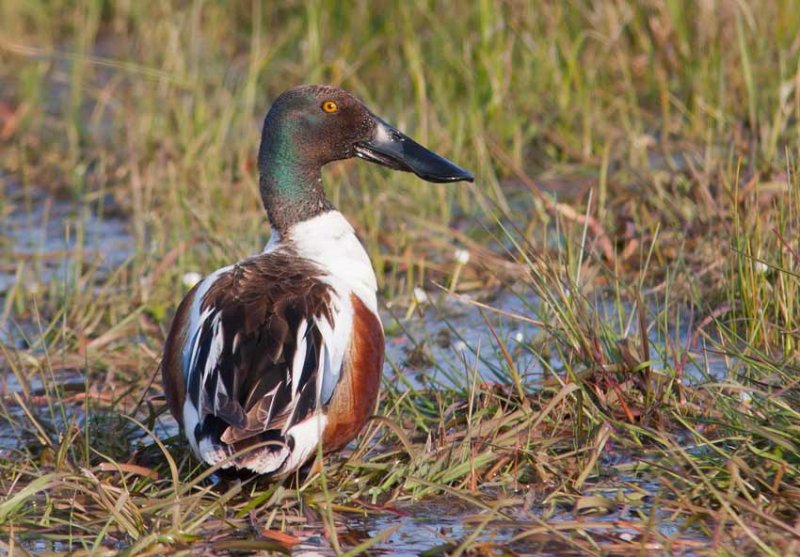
330 106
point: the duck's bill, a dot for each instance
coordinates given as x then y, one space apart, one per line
396 150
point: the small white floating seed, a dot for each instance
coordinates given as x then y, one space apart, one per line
191 278
746 398
420 296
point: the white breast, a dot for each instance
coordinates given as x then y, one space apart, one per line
330 241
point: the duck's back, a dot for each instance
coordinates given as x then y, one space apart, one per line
269 356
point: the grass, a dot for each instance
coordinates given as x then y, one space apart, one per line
636 190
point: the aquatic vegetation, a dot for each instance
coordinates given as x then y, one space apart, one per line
594 349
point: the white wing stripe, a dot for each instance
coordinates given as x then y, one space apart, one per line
214 351
195 346
336 338
299 358
196 319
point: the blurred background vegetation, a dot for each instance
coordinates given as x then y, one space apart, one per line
679 116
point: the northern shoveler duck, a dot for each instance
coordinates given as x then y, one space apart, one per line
274 355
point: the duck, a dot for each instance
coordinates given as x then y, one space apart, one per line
278 357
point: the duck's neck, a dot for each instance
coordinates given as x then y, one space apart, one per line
290 190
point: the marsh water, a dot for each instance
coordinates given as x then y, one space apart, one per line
443 344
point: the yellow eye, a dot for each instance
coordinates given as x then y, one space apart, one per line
330 106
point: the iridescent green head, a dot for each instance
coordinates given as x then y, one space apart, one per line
310 126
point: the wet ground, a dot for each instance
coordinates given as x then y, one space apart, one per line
446 342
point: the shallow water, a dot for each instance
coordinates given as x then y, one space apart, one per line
14 432
448 344
445 344
437 525
53 232
45 241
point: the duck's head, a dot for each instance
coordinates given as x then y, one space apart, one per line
313 125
